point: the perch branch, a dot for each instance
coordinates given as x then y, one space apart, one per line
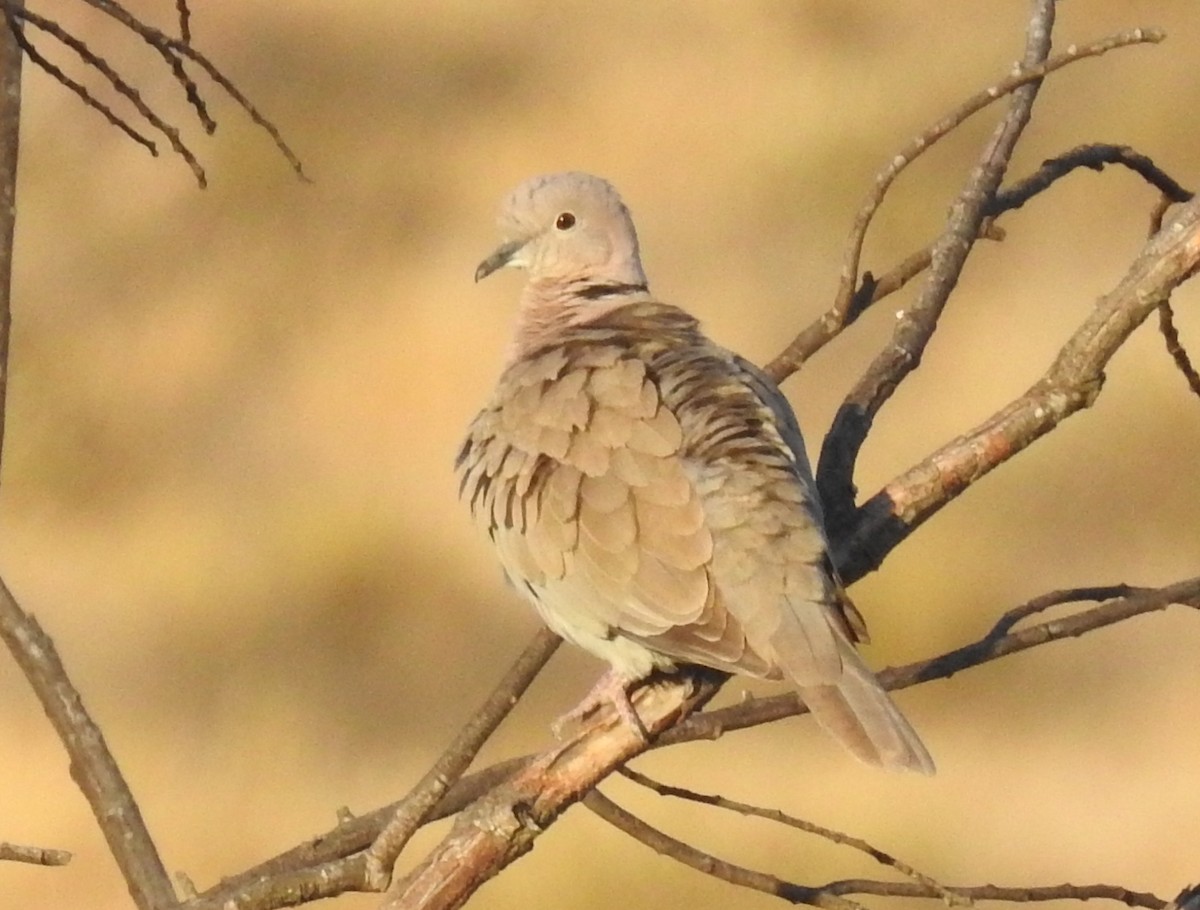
314 861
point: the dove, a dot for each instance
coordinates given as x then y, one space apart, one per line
648 490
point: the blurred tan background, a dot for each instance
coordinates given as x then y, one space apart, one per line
227 487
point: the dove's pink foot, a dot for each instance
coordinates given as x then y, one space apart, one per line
612 689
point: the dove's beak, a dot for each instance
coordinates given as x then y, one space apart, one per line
499 259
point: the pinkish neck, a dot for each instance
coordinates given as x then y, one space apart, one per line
548 309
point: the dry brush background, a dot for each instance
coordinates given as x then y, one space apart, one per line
227 489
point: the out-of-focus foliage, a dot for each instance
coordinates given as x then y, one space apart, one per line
227 488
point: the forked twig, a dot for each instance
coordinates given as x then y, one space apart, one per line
834 320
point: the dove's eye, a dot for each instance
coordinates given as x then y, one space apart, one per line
565 221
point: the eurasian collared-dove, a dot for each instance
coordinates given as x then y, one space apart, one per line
648 490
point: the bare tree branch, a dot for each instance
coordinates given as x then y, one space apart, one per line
491 832
499 829
123 88
1017 895
182 48
92 765
902 355
78 88
1170 334
1094 156
174 52
872 289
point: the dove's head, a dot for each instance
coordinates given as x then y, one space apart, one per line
569 228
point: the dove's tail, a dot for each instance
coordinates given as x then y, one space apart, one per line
860 715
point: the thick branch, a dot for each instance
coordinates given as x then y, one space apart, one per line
503 826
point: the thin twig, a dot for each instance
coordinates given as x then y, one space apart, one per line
835 319
1094 156
950 898
92 764
452 763
832 895
36 856
161 42
703 862
1166 314
184 17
